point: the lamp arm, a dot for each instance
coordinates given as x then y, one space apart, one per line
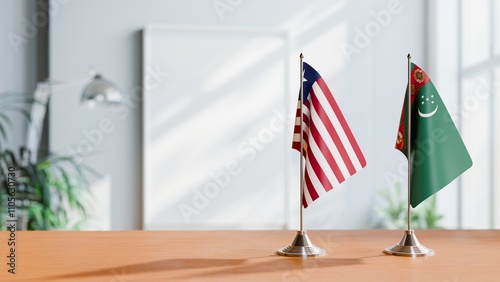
97 88
58 84
38 111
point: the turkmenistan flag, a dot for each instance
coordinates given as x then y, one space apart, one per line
438 154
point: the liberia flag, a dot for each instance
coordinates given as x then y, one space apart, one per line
331 153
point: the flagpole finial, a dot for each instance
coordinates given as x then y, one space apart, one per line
301 56
409 56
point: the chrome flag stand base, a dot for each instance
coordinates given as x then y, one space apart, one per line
409 247
301 247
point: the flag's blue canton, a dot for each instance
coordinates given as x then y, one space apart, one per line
310 76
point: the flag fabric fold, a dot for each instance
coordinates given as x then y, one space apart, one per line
330 150
438 154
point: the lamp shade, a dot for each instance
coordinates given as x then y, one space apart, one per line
101 90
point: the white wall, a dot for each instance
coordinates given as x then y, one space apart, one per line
18 58
368 85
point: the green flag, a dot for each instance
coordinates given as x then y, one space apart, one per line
438 154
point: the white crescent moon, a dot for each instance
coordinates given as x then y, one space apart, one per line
429 114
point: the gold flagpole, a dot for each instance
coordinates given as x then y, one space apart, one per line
409 246
301 245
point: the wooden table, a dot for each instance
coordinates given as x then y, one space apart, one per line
461 255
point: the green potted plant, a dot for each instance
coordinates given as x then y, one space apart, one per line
51 192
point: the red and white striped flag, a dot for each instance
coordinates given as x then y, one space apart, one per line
330 150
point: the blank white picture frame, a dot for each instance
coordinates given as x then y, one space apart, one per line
216 129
